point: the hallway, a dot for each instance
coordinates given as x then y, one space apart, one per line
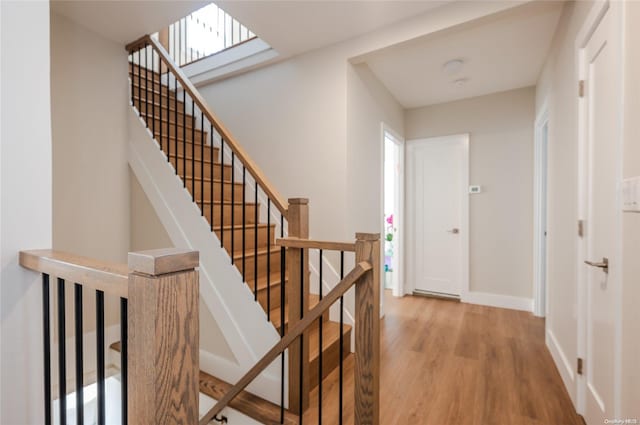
449 363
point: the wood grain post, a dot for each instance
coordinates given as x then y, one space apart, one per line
298 300
163 337
367 333
163 38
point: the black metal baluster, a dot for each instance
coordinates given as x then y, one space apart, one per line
233 203
202 165
153 95
340 402
255 243
164 105
124 353
146 90
269 258
62 354
131 85
140 85
244 221
184 137
282 302
320 325
211 157
46 339
100 356
222 201
175 124
79 358
193 153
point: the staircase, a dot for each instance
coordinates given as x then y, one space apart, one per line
227 200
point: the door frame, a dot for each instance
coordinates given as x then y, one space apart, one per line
540 212
397 289
591 23
464 221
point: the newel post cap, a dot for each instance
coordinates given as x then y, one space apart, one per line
157 262
367 236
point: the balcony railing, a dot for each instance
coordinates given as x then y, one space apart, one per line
203 33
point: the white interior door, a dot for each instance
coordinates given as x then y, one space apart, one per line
601 285
437 172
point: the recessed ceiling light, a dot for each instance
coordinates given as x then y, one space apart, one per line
461 82
453 66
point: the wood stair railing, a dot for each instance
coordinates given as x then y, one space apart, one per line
366 279
220 177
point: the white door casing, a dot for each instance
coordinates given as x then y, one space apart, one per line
599 289
437 214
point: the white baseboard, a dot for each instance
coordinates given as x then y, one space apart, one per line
496 300
564 366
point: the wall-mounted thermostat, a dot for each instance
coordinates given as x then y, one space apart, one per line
475 189
631 195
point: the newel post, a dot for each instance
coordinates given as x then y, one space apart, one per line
367 332
163 358
298 299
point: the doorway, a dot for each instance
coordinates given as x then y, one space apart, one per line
540 213
438 215
393 202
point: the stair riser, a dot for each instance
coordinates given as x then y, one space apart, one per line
171 130
157 110
262 262
155 97
227 216
172 119
275 296
156 87
330 359
207 168
193 150
217 197
143 71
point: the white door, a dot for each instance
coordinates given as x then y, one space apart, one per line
600 284
437 170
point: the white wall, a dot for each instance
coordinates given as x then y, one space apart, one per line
369 104
501 161
292 119
25 211
631 222
147 232
89 94
557 87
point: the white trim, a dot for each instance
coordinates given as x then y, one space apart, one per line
497 300
540 212
464 220
560 358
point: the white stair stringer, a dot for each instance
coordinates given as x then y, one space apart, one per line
242 321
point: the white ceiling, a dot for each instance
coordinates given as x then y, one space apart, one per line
125 21
293 27
502 52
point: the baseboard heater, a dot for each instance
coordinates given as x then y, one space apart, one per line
439 295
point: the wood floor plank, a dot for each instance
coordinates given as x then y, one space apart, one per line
448 363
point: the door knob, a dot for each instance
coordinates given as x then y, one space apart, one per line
604 264
455 231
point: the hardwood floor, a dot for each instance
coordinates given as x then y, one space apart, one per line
445 362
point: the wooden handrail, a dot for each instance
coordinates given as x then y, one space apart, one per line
242 155
111 278
314 244
359 270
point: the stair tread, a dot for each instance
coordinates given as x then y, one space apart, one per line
330 335
274 314
250 252
249 404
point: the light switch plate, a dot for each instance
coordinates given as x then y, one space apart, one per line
631 195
